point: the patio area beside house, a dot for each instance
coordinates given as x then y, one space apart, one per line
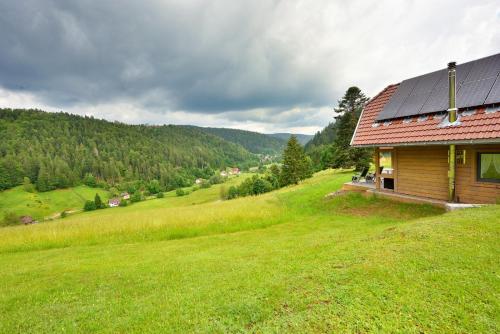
358 186
370 189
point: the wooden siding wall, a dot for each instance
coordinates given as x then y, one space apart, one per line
468 189
422 171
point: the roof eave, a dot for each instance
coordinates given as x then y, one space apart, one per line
444 142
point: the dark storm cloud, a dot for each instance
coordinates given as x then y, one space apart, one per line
262 64
203 56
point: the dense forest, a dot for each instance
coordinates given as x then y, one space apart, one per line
58 150
253 141
324 137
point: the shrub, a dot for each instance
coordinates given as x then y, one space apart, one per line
136 197
261 186
180 192
10 218
101 184
232 192
89 206
89 180
123 202
216 179
160 195
28 186
223 193
246 187
205 185
154 186
113 192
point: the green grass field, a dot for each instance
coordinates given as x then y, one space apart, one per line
40 205
51 203
286 261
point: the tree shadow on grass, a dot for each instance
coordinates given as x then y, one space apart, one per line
357 204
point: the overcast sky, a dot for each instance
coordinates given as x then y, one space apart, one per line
269 66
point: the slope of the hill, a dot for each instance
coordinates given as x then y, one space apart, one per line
287 261
42 205
323 137
253 141
56 150
302 138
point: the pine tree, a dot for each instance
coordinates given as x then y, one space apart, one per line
296 165
98 201
28 186
348 113
42 183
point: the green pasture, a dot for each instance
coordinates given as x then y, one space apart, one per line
289 261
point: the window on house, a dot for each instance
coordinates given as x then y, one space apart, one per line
386 162
488 167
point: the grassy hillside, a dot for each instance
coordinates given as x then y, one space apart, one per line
40 205
286 261
253 141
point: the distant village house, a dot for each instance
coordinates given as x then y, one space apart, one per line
234 171
114 202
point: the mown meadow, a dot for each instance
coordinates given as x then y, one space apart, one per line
42 205
286 261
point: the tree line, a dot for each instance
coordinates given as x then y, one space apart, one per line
59 150
296 166
253 141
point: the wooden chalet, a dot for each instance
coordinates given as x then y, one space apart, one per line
437 136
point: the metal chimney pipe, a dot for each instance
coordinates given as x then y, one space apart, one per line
452 84
452 117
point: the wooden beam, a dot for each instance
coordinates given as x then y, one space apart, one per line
377 168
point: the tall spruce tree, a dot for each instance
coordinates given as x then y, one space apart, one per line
296 165
348 112
98 201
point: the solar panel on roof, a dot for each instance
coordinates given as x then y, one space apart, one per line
411 106
494 95
474 93
484 68
437 100
427 82
477 84
399 97
391 108
415 101
462 73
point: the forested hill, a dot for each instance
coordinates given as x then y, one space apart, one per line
323 137
57 150
253 141
303 139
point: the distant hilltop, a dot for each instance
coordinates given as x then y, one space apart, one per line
303 139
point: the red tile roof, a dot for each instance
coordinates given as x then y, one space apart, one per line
481 125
